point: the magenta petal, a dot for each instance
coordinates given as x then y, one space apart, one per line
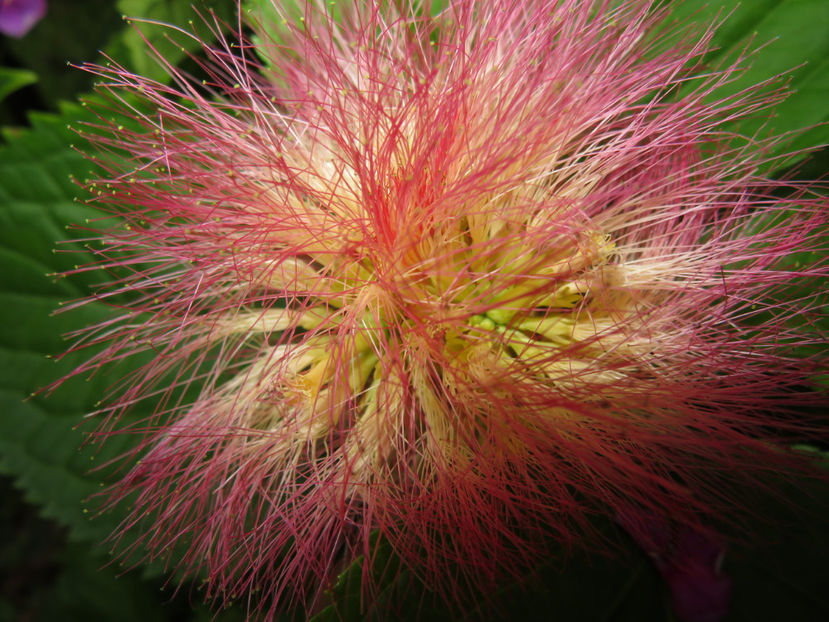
17 17
700 593
688 561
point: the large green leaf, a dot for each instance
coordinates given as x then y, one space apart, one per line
173 28
40 442
45 579
14 79
44 437
790 39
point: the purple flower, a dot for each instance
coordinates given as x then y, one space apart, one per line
17 17
701 591
689 562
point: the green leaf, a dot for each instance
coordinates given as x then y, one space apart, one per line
172 28
40 443
791 41
44 437
47 578
14 79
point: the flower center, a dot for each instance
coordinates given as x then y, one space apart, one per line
461 313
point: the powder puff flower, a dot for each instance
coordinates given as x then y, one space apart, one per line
464 280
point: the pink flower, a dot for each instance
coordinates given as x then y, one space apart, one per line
465 280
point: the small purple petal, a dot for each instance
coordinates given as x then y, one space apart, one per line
17 17
700 593
688 561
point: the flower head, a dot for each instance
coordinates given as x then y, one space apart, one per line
463 279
